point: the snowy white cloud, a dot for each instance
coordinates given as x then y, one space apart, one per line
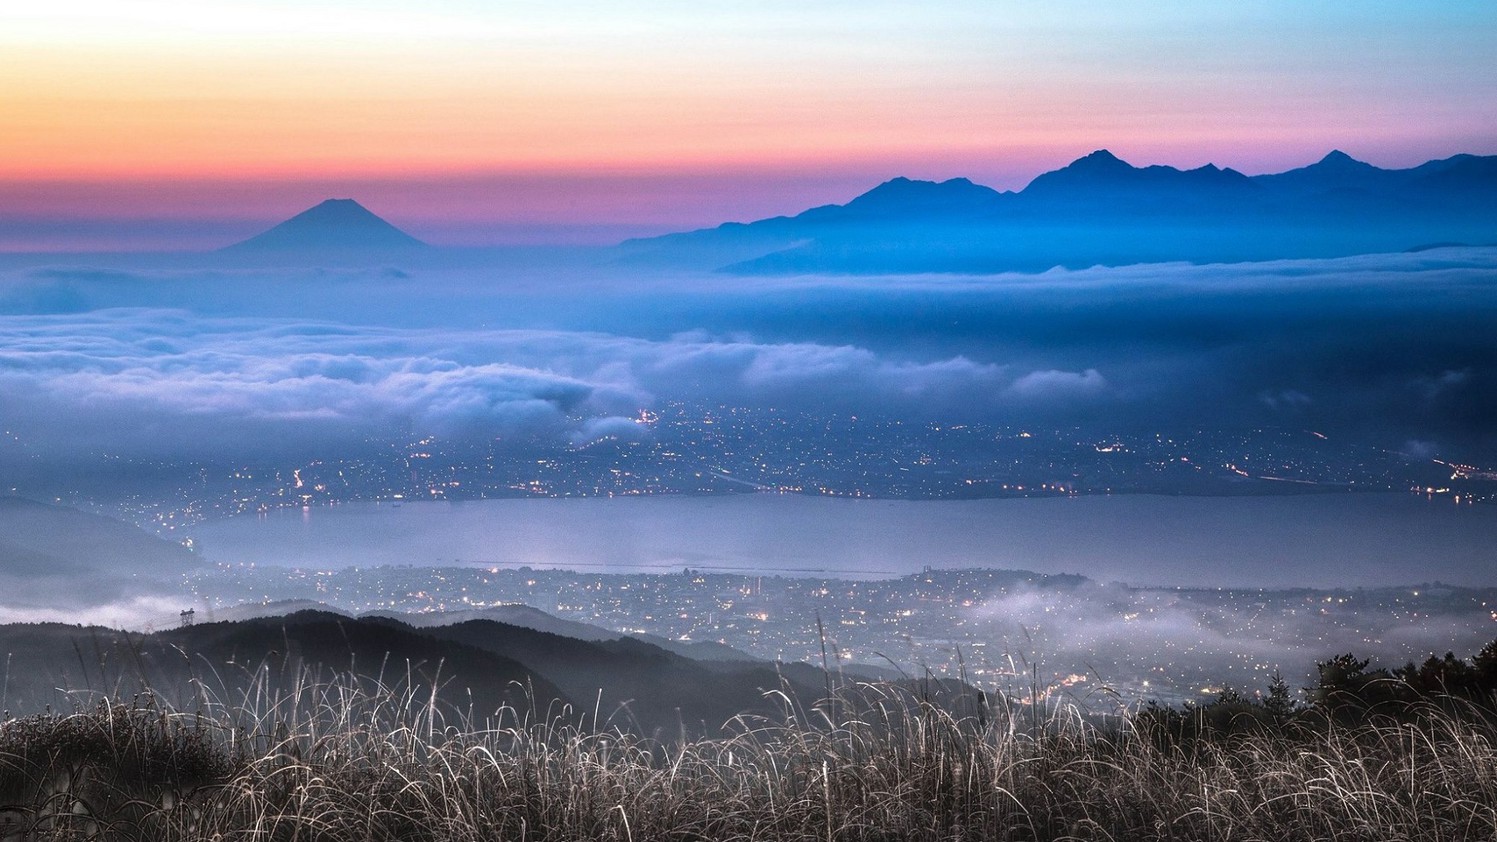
125 378
175 359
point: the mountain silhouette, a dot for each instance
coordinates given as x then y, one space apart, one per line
1470 178
474 666
233 660
55 555
334 226
1336 174
525 616
1102 210
643 686
1104 175
957 197
522 616
514 614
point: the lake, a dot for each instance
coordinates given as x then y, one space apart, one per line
1313 540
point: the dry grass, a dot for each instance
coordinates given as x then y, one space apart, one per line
333 760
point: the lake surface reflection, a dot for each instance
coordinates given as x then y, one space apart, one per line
1319 540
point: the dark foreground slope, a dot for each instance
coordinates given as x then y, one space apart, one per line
893 765
472 668
637 685
236 663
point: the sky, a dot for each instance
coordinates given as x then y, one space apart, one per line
130 124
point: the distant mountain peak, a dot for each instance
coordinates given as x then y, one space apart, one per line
1337 171
332 225
902 194
1101 156
1336 159
347 207
1106 172
1101 161
1099 167
900 182
1102 210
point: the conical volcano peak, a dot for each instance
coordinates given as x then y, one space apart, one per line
332 226
347 208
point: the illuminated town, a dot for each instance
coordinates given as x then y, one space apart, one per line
708 449
1080 640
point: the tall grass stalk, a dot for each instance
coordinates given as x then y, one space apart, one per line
345 758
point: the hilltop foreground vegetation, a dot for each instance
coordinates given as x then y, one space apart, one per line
1372 755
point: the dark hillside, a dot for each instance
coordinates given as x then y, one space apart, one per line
642 684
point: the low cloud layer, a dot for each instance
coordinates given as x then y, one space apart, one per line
161 382
1094 628
239 363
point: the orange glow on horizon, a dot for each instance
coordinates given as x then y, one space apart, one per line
154 134
677 113
222 108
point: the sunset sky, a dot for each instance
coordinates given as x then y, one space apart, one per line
173 124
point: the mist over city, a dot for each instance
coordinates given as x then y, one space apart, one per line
1330 417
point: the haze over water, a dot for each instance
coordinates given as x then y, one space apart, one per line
1329 540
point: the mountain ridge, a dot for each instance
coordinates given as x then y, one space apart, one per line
1102 210
477 666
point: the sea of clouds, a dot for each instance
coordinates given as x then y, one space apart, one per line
184 362
234 365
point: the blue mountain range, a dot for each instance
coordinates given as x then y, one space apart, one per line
1103 210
